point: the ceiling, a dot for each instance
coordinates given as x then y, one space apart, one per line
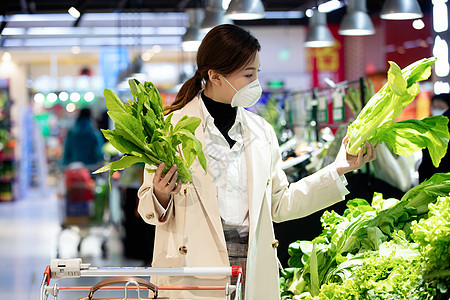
45 25
108 6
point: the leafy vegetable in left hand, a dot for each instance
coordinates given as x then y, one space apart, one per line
144 135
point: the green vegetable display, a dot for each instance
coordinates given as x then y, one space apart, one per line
390 249
375 123
144 135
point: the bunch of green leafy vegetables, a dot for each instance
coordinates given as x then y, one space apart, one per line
433 237
144 135
375 123
350 246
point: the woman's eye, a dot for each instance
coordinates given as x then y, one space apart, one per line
249 75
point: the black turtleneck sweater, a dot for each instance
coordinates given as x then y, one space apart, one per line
224 116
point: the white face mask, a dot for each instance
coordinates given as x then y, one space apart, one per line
437 112
248 95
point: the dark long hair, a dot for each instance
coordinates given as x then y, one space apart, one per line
225 49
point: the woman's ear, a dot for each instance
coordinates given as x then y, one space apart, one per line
214 77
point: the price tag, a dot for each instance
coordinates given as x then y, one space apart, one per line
322 110
338 108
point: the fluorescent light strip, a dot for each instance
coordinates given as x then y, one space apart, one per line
330 6
44 31
13 31
284 15
97 17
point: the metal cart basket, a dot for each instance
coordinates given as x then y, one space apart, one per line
64 268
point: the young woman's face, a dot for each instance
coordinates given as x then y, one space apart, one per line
241 78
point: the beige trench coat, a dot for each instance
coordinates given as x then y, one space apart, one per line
190 234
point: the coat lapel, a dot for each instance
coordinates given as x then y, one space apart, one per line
258 160
203 181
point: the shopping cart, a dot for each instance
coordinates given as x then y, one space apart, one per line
65 268
83 207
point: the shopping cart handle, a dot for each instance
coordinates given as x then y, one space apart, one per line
235 270
47 278
62 268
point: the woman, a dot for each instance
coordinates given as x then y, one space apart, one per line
225 216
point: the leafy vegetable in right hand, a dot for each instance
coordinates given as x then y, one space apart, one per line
375 123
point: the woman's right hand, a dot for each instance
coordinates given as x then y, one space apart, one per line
165 186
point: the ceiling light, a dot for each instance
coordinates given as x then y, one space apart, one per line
75 97
401 10
245 10
74 12
193 37
214 15
418 24
63 96
39 98
89 96
52 97
356 21
6 56
71 107
318 34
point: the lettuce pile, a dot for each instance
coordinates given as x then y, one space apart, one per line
389 249
375 123
144 135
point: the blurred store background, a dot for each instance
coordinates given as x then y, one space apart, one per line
57 57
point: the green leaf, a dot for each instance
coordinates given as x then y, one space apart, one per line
113 103
407 137
135 87
396 82
191 147
122 144
188 123
124 162
129 127
314 268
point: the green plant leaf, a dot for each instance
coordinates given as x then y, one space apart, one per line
113 103
188 123
378 115
122 144
130 128
406 137
314 269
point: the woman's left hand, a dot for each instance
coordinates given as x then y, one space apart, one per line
346 163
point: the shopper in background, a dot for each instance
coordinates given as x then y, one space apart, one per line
83 142
225 216
440 105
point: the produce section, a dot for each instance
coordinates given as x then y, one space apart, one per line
389 249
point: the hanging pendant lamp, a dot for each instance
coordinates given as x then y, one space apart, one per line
318 34
214 15
192 39
401 10
356 21
246 10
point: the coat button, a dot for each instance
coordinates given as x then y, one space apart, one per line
275 244
182 250
150 216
